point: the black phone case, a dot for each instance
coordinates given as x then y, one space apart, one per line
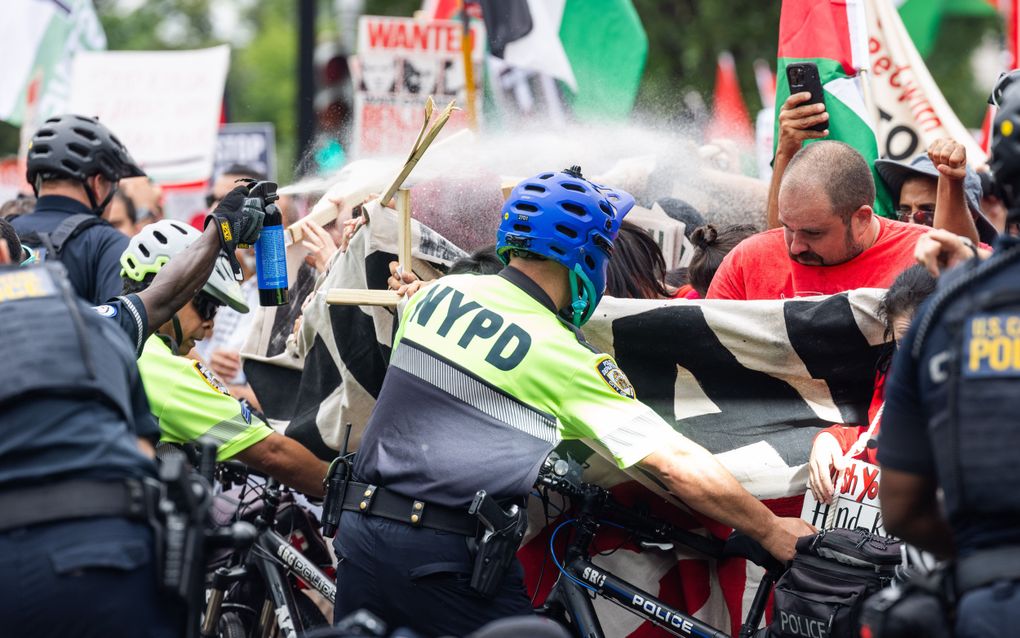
810 83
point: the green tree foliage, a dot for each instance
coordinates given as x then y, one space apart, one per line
684 39
950 65
263 82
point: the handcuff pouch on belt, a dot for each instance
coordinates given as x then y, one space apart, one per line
501 537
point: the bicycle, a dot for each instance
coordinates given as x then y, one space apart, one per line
580 580
254 592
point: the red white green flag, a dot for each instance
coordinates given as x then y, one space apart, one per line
833 35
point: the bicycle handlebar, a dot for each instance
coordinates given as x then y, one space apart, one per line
564 477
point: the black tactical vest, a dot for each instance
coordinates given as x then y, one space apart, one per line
976 437
53 344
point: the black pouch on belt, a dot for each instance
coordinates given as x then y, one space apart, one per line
504 531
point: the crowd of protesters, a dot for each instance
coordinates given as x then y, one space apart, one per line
823 237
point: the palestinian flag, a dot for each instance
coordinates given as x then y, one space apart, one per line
596 48
833 35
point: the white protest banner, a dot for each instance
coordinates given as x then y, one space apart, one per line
855 504
910 109
400 62
163 105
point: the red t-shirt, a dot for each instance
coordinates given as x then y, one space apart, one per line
760 266
686 291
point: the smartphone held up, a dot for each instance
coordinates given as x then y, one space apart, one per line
803 78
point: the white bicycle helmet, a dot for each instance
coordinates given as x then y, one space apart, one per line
157 243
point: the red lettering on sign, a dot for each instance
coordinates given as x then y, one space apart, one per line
849 480
425 36
870 484
379 34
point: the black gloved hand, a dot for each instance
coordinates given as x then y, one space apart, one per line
239 220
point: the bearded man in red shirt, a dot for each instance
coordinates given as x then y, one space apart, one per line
830 239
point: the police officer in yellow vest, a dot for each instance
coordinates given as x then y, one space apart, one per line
485 378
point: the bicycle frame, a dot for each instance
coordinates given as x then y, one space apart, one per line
273 557
571 596
277 559
576 602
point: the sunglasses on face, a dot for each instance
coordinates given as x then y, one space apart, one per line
205 306
924 215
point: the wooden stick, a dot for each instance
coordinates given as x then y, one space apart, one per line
426 135
466 49
404 229
507 184
419 150
358 297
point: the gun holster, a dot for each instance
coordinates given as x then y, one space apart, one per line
922 606
502 533
179 524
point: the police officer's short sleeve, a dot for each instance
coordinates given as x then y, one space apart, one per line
111 246
601 404
903 442
129 312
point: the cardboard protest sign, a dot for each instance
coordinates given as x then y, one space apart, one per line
251 144
401 61
855 503
163 105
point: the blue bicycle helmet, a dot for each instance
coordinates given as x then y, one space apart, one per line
564 217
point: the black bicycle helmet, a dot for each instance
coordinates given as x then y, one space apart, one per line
78 147
1005 160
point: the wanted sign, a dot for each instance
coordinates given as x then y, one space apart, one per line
400 62
855 503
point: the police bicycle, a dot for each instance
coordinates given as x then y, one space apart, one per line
256 592
580 580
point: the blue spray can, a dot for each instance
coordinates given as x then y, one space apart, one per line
270 249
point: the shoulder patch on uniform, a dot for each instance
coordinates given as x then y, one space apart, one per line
210 378
106 310
615 378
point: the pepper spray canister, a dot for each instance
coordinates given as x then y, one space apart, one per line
270 249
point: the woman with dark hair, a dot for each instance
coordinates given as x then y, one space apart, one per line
711 244
637 269
836 445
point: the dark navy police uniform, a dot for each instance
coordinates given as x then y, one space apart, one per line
92 259
485 379
72 408
953 413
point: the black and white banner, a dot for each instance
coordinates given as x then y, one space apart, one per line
751 381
